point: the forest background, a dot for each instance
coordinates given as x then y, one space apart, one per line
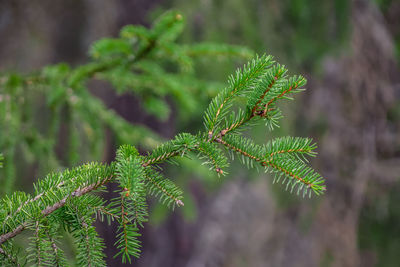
348 50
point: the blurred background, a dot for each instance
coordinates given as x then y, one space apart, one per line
348 50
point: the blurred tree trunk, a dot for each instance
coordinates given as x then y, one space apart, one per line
359 145
353 100
358 148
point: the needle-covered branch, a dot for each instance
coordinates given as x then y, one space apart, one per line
243 80
66 198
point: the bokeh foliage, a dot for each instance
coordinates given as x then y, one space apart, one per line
50 119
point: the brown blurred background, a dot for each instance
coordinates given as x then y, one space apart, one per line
348 50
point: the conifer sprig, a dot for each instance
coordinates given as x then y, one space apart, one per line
286 156
163 188
130 176
283 157
64 198
296 174
213 157
81 219
242 80
296 146
127 236
181 145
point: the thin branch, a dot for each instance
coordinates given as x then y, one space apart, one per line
165 156
48 210
273 165
278 96
161 158
262 162
178 202
78 192
105 211
232 93
244 153
11 234
253 111
37 197
124 224
217 168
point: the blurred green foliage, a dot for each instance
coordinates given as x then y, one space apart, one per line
298 32
379 227
50 119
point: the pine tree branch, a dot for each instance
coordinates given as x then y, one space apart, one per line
254 111
157 184
262 84
50 209
37 197
243 79
160 158
175 152
273 165
77 193
127 241
90 245
267 89
214 154
11 234
182 144
244 153
269 162
104 66
105 211
124 224
287 91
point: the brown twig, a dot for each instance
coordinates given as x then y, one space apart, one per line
232 93
48 210
160 158
254 111
263 162
37 197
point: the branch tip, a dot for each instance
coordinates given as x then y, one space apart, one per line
179 203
